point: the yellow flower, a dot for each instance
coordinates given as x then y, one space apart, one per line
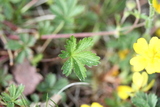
124 91
140 80
94 104
148 55
156 6
85 105
157 33
140 83
123 53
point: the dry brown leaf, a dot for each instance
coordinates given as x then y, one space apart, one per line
27 75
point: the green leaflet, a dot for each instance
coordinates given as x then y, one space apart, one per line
78 57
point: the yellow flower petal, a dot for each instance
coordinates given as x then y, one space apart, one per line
145 78
141 46
154 45
138 62
124 91
137 80
85 105
95 104
150 69
157 33
123 53
158 9
156 5
153 67
149 86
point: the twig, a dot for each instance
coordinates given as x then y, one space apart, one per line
84 34
136 26
40 11
9 51
19 30
50 59
10 25
77 93
72 99
40 2
41 18
55 36
27 6
3 58
87 34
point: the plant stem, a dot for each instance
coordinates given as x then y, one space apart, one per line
60 26
72 84
137 18
149 21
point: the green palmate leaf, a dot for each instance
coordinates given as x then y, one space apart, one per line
6 97
19 91
139 102
141 99
88 58
152 100
83 44
74 9
4 77
20 57
13 45
12 90
61 83
71 44
12 97
19 102
28 40
50 79
45 28
10 104
66 8
35 97
64 54
28 52
23 47
48 83
24 38
79 69
68 66
78 57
